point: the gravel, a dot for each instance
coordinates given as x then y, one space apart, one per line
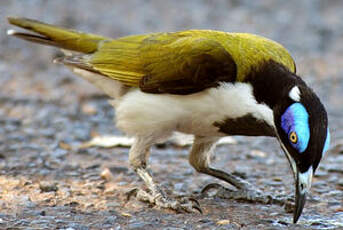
46 182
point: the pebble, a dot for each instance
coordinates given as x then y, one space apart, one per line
106 174
112 204
139 225
40 222
118 169
172 228
48 186
223 222
76 117
257 154
77 226
320 173
289 207
89 109
22 222
59 153
335 169
110 220
179 187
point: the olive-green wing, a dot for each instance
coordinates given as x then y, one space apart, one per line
177 63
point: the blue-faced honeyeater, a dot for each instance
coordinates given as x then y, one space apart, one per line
202 82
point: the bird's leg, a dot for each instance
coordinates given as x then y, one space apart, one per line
199 158
138 156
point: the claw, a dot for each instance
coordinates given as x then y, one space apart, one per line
181 204
212 186
197 207
194 200
132 192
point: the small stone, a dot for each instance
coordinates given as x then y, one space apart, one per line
88 109
106 175
75 226
179 186
320 173
112 204
289 207
172 228
110 220
22 222
117 170
139 225
126 214
64 146
257 154
278 179
39 222
59 153
335 169
111 189
223 222
48 186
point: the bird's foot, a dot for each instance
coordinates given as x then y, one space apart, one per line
161 200
255 195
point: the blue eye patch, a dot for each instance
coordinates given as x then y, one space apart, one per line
295 120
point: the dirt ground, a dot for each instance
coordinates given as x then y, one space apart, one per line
46 113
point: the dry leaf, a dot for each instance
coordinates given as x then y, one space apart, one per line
178 139
223 222
125 214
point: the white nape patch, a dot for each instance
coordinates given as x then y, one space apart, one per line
11 32
140 113
294 93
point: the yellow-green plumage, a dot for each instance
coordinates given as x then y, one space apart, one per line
163 57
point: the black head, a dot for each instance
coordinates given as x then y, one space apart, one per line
300 121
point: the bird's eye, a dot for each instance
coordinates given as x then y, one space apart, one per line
293 137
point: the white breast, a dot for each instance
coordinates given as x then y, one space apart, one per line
139 113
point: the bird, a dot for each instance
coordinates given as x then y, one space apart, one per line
206 83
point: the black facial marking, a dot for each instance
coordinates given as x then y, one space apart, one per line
271 81
247 125
271 85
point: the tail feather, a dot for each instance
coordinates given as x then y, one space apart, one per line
76 61
33 38
55 36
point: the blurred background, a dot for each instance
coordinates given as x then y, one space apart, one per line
311 29
43 105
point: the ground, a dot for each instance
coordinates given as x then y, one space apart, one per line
48 182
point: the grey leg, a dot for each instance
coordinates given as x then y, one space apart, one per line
199 158
138 157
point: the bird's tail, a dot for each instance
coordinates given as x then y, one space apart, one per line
55 36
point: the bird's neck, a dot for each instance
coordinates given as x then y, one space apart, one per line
271 83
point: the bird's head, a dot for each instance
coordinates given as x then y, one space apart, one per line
300 121
302 130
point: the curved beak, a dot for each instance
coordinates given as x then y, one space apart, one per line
302 187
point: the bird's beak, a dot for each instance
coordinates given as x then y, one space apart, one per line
302 186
